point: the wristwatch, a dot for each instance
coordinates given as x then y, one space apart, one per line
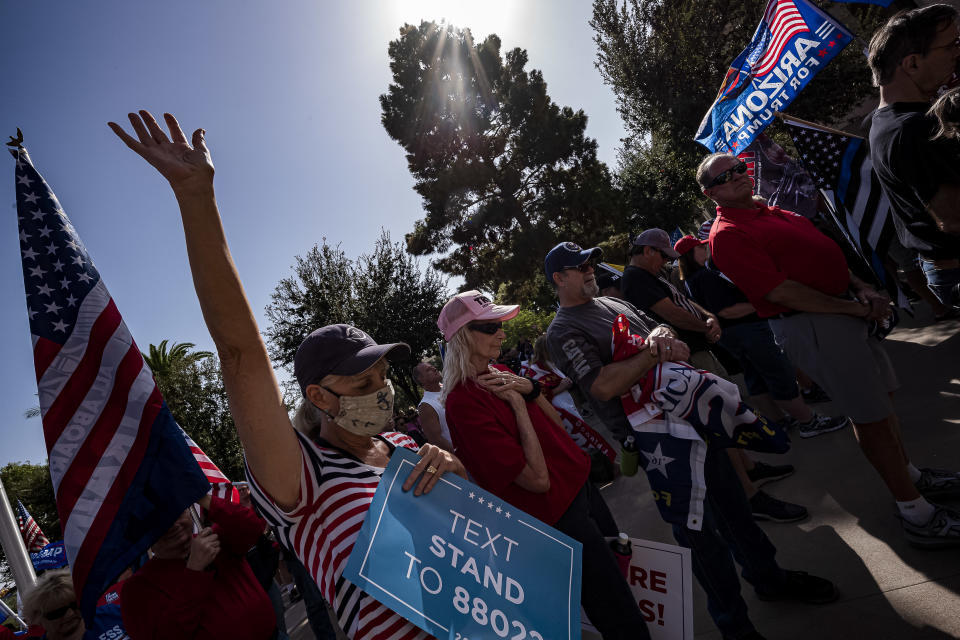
530 397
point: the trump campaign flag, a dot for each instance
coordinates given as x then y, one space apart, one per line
121 470
794 40
32 534
882 3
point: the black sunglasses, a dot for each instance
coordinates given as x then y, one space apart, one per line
582 268
56 614
726 176
488 328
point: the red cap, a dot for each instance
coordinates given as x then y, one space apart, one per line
686 243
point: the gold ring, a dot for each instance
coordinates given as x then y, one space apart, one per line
431 469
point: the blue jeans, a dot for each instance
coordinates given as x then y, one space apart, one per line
945 283
729 533
766 367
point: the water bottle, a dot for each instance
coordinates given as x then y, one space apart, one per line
623 553
629 457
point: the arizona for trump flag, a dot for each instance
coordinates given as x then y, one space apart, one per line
794 40
32 534
121 470
882 3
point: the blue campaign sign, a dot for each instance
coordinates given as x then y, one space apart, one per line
463 564
52 556
793 41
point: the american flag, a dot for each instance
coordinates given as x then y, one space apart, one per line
222 487
840 164
32 534
121 470
783 21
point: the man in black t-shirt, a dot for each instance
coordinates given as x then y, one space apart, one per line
643 287
911 57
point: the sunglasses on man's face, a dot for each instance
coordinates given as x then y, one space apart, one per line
726 176
488 328
582 268
56 614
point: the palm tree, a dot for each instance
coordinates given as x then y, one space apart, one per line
162 361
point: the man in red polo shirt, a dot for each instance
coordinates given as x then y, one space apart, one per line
798 278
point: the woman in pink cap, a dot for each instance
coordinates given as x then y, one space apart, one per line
512 442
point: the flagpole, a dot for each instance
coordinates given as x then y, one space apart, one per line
14 547
814 125
10 613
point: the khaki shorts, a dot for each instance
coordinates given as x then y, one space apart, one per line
836 352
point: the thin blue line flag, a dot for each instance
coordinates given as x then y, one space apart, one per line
793 42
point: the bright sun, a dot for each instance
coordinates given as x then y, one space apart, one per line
482 17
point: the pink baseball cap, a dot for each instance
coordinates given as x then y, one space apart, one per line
471 306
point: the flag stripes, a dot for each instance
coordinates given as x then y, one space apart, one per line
784 21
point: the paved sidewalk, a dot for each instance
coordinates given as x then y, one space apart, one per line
889 590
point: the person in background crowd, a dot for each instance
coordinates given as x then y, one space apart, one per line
580 339
911 57
513 444
524 349
609 284
433 417
53 605
201 586
342 375
698 328
797 278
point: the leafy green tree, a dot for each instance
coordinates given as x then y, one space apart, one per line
192 387
503 171
180 355
386 293
665 60
31 484
528 324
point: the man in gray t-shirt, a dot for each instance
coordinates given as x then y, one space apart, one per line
581 335
580 343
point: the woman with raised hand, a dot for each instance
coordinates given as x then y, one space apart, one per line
513 443
342 374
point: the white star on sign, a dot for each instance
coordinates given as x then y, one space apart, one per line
31 198
60 326
489 505
472 494
657 460
499 509
506 515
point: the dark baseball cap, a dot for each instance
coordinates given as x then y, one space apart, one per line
566 255
341 350
658 239
607 279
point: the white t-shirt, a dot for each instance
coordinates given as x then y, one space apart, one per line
432 398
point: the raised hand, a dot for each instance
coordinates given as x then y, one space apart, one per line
186 167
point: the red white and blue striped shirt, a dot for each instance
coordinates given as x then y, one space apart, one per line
335 493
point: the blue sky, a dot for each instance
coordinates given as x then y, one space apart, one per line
287 92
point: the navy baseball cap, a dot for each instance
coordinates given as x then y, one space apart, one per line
341 350
566 255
